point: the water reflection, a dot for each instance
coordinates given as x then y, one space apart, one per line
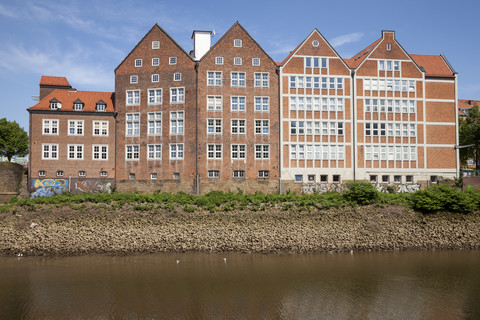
399 285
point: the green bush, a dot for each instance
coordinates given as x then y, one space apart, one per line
445 198
361 192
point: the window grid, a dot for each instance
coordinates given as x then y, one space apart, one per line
214 151
75 127
154 96
324 128
214 126
214 78
316 103
132 124
176 123
155 77
238 151
132 152
154 152
261 79
214 103
262 126
316 82
50 127
49 151
238 126
399 153
237 103
133 97
133 79
262 104
262 151
154 123
155 61
138 62
75 151
176 152
317 152
99 152
255 61
238 79
214 174
177 95
219 60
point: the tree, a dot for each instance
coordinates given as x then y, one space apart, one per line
13 139
469 133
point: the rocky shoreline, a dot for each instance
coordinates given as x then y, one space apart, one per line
100 229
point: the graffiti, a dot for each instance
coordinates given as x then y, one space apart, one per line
54 183
46 192
93 186
321 187
399 188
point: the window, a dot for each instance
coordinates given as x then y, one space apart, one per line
262 151
100 128
177 76
78 105
103 174
177 95
75 127
311 178
176 176
176 122
213 174
155 61
214 126
389 46
154 96
99 152
60 173
214 78
409 179
238 79
262 104
42 173
155 44
214 103
238 151
237 43
133 79
154 77
237 61
50 152
154 123
298 178
336 178
237 103
132 124
131 176
324 178
397 179
261 79
132 152
263 174
238 173
54 105
262 127
153 176
315 43
82 173
138 62
385 179
172 60
133 97
238 126
373 178
101 106
255 61
214 151
434 179
154 152
219 60
75 152
50 127
176 153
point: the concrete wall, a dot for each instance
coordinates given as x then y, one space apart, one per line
10 177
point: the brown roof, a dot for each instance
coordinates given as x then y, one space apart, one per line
357 59
67 97
54 81
435 66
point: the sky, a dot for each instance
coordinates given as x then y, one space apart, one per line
86 40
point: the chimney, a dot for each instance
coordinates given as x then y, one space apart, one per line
201 43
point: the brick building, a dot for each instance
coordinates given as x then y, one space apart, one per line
227 117
72 139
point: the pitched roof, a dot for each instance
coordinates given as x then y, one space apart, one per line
68 97
357 59
434 66
54 81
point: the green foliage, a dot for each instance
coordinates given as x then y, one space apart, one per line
445 198
361 192
13 139
469 133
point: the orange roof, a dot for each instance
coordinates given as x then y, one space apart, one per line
435 66
54 81
357 59
67 97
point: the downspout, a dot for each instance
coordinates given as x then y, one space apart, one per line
197 179
354 128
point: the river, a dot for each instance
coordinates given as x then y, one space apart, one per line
370 285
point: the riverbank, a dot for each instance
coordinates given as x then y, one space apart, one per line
97 228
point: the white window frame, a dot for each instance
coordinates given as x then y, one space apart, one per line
153 176
176 151
155 96
134 120
101 152
78 107
214 174
237 61
103 173
260 81
78 149
50 125
214 126
256 62
261 104
60 173
172 60
155 77
49 151
101 107
138 63
240 105
77 126
177 123
155 44
219 60
134 79
263 174
82 173
238 79
42 173
155 62
262 126
262 152
132 152
132 97
237 43
154 120
214 151
101 127
237 125
214 78
238 151
239 173
177 76
154 152
177 95
214 103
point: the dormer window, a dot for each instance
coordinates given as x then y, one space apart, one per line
78 105
55 104
101 106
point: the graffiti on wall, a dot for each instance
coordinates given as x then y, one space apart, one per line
93 186
52 183
399 188
321 187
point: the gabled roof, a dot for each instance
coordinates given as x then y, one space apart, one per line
357 59
434 66
246 32
161 29
54 81
68 97
301 44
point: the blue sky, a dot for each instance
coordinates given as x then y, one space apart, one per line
86 40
